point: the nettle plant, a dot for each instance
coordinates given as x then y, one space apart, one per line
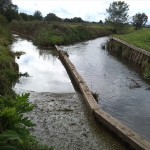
14 126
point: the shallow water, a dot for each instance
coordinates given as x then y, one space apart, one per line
113 81
64 122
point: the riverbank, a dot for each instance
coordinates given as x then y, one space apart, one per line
130 46
14 127
46 34
8 68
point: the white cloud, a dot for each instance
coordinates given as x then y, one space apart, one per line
92 10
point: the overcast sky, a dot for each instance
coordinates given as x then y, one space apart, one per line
90 10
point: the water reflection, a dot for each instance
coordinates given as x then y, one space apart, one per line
46 72
112 79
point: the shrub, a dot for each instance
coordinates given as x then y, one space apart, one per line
14 126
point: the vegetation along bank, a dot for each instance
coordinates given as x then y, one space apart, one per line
135 47
46 34
14 126
137 35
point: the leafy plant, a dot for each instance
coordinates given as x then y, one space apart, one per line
14 125
12 113
9 140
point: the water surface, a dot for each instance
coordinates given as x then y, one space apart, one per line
113 81
46 72
61 116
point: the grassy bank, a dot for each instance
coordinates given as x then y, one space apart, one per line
47 34
139 38
8 67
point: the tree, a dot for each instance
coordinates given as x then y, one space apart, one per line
117 15
24 16
8 10
4 5
31 18
77 20
12 13
38 15
67 20
139 20
100 22
52 17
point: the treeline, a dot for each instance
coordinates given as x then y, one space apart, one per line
10 11
49 17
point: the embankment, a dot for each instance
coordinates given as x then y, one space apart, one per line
132 53
9 71
47 34
129 136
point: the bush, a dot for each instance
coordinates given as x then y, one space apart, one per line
14 126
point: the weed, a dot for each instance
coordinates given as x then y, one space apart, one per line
96 96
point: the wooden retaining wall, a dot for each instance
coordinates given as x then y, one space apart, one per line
122 131
132 53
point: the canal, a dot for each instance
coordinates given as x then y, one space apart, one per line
115 81
61 116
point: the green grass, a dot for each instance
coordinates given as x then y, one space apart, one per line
139 38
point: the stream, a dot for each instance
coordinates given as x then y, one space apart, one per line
114 81
61 116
